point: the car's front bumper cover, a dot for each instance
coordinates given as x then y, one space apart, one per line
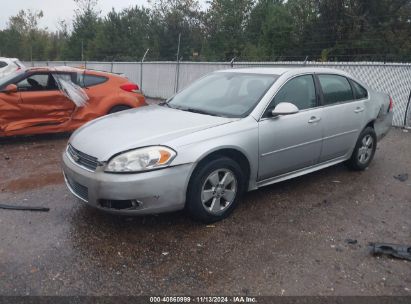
155 191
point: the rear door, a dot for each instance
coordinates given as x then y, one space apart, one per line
343 116
42 103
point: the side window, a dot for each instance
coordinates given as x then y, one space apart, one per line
37 82
2 64
359 91
299 91
90 80
335 89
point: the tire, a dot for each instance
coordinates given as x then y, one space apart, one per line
208 200
116 109
364 150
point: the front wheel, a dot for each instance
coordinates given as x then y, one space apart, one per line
364 150
214 190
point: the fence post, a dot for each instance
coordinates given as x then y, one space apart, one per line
177 65
232 62
177 80
141 69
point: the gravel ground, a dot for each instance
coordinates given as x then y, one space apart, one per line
284 239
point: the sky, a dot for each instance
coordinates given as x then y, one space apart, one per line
55 10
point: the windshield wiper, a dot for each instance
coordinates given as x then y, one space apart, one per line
164 103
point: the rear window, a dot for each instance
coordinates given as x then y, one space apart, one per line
335 89
90 80
359 91
2 64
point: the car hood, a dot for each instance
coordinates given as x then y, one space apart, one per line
145 126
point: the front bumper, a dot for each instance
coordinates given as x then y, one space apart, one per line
154 191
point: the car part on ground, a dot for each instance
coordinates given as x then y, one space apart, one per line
24 208
402 177
397 251
252 127
51 100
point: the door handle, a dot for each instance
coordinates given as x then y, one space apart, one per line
358 110
314 119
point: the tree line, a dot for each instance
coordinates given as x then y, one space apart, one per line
262 30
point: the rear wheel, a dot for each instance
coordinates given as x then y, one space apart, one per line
214 190
116 109
364 150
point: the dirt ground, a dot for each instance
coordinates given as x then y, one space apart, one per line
284 239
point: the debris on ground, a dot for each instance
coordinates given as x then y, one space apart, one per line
397 251
24 208
351 241
7 158
401 177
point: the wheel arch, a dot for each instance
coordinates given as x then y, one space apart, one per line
370 124
232 153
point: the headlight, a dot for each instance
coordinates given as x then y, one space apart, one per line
141 159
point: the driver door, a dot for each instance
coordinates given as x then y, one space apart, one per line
42 103
289 143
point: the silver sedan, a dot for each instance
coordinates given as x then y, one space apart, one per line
229 132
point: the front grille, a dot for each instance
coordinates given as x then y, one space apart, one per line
78 189
82 159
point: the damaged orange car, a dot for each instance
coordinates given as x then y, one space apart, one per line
51 100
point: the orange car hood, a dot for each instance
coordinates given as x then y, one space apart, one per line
145 126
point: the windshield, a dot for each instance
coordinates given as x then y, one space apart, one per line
224 94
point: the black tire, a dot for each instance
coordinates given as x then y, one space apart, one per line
355 162
116 109
201 179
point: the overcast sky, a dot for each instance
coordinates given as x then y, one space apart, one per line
55 10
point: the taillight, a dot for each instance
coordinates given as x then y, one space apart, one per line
391 104
130 87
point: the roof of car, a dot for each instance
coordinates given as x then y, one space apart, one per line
55 69
283 70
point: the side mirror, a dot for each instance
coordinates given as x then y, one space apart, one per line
284 108
11 88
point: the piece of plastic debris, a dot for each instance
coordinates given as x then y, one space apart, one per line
164 253
336 181
351 241
24 208
397 251
210 226
71 90
401 177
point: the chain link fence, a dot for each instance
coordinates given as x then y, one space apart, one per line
163 79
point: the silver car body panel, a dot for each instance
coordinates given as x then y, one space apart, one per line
276 148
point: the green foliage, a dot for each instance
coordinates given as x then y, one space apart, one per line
343 30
